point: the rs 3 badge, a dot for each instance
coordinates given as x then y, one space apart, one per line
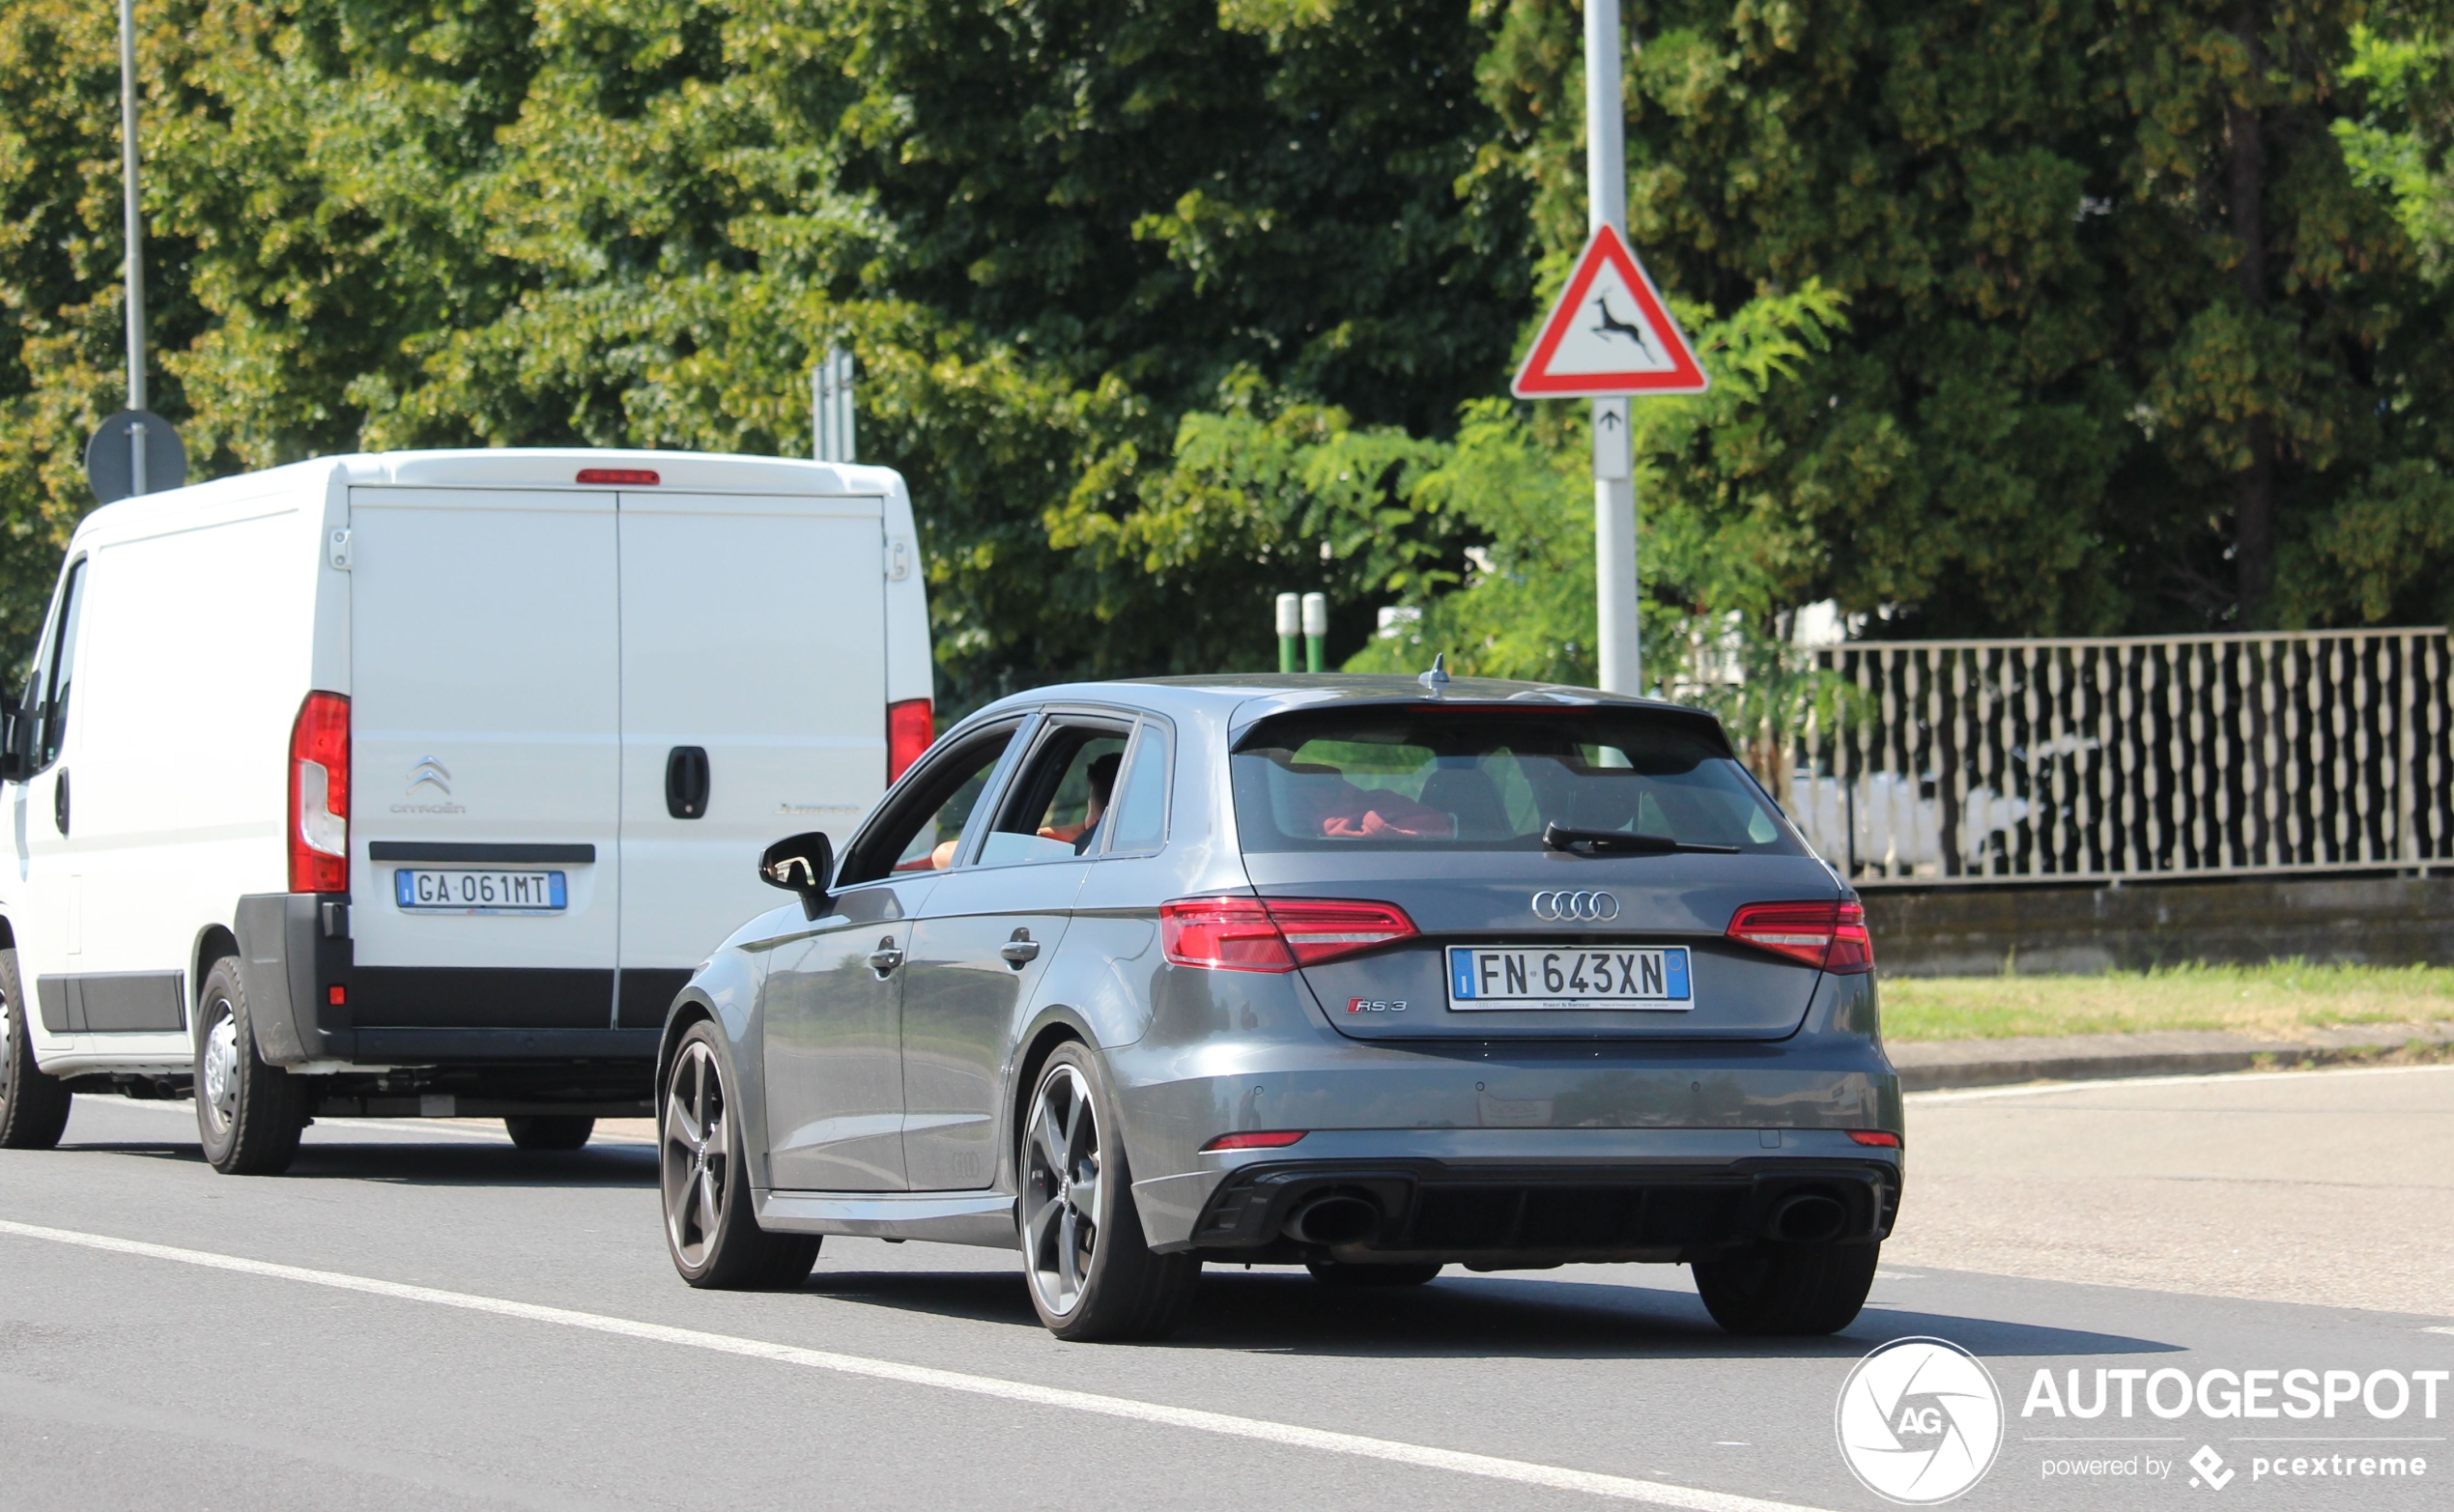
1375 1004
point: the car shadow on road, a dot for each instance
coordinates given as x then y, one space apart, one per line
1463 1316
402 1163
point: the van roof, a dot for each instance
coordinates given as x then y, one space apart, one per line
511 466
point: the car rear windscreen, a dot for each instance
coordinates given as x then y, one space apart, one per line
1416 780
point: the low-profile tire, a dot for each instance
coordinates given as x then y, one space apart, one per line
248 1114
1091 1276
1333 1273
710 1228
34 1108
549 1130
1787 1289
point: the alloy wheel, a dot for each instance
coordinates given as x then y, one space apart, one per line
7 1048
696 1148
1061 1189
222 1065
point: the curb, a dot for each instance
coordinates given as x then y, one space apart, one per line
1940 1065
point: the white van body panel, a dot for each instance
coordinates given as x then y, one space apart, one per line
548 644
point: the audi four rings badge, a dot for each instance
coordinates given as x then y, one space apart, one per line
1585 907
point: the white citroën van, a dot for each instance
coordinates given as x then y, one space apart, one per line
417 783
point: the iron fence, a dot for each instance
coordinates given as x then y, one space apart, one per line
1978 761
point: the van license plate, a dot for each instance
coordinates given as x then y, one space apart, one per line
480 892
1484 977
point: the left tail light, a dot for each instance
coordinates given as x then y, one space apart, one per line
1241 934
909 728
320 795
1828 936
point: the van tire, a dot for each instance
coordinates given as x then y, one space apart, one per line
549 1130
248 1114
34 1108
1798 1290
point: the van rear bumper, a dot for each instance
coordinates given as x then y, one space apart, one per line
293 951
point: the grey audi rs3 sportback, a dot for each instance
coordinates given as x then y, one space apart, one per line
1372 975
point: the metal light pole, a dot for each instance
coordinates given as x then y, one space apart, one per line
1619 645
135 231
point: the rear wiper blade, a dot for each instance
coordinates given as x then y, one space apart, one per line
1619 842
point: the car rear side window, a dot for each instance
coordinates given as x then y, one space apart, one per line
1141 803
1463 779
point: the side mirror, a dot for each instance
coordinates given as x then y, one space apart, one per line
801 864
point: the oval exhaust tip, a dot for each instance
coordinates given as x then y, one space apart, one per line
1808 1219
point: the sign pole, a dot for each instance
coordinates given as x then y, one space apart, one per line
1617 645
134 232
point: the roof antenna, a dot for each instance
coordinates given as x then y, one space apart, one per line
1435 681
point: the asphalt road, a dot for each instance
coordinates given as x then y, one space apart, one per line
420 1315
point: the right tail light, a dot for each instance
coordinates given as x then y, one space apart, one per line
1830 935
909 728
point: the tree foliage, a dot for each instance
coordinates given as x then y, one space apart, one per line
1168 306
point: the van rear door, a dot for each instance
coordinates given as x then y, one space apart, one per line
753 706
485 710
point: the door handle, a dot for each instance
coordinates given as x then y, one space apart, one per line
686 783
886 957
1020 950
60 801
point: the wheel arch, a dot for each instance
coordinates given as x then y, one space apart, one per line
1054 1027
212 942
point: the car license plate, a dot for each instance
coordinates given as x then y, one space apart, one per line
480 892
1653 977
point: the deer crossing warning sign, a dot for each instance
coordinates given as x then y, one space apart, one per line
1609 334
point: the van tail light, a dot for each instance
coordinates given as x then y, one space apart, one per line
1830 935
320 795
1274 933
909 728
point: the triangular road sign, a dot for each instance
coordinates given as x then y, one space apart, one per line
1609 334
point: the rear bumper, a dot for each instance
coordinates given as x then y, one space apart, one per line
1514 1215
295 950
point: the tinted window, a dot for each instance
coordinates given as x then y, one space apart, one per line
1061 801
49 701
1141 804
920 832
1490 779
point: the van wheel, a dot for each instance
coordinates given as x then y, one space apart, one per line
1335 1273
1789 1289
709 1228
34 1108
1092 1274
549 1130
248 1114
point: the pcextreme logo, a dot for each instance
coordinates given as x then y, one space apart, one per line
1920 1421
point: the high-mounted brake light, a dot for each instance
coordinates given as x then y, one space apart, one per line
1830 935
1877 1138
1272 1139
910 726
320 795
621 477
1274 933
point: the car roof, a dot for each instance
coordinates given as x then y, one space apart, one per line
1244 700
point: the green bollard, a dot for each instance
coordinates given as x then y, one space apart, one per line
1290 626
1316 632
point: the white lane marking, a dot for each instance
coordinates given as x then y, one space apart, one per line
2437 1328
1524 1473
2247 1079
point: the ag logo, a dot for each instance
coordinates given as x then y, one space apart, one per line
1920 1421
